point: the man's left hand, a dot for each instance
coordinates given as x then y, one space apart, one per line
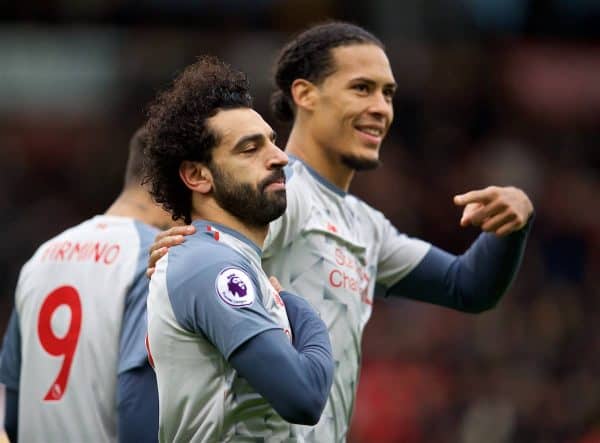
496 209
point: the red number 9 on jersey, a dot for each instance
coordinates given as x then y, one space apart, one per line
58 346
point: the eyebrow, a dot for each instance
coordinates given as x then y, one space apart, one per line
256 138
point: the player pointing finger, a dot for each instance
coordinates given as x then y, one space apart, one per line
500 210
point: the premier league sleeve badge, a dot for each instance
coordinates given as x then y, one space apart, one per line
235 287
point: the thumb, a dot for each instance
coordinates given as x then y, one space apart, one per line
469 211
275 284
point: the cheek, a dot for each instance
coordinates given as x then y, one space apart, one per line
242 174
351 112
345 119
338 112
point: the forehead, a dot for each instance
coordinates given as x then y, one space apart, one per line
232 124
361 60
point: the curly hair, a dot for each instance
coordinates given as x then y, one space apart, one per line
309 56
177 128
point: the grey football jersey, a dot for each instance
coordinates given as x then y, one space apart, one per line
335 250
79 322
207 297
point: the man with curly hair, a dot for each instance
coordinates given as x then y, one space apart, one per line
335 84
236 358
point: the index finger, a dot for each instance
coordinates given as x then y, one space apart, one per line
165 242
171 237
476 196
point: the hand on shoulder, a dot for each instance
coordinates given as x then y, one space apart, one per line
163 241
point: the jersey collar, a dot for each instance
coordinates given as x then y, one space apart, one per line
206 226
320 178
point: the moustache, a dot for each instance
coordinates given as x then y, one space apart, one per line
275 176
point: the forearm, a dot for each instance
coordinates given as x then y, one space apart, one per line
300 393
11 414
472 282
311 339
137 404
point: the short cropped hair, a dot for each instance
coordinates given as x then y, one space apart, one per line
134 171
308 56
178 131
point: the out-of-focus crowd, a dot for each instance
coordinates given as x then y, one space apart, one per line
467 112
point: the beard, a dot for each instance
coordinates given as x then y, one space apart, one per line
251 205
359 163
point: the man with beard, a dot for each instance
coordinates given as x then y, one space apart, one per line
334 82
235 358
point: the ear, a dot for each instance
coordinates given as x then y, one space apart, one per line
196 176
304 94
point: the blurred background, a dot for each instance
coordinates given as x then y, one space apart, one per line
490 92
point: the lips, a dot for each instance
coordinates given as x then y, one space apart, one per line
371 134
276 178
374 131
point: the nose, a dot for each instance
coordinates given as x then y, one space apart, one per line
381 106
277 157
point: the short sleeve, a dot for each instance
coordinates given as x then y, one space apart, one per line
223 302
10 356
132 350
399 254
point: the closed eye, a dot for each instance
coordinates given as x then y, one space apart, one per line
252 142
250 148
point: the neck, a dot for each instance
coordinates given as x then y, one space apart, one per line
212 212
136 203
328 165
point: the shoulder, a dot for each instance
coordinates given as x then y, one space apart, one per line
54 244
292 168
205 275
300 187
202 248
144 230
65 235
200 260
357 203
382 231
298 174
300 182
368 213
145 233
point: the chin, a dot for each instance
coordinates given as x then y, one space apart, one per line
361 163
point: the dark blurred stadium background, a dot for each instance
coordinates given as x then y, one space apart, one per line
490 92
